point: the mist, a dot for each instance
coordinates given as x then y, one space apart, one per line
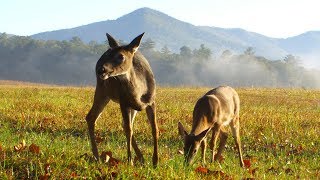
72 63
238 70
310 61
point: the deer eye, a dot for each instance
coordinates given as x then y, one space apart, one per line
119 58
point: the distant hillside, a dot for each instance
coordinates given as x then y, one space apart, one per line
166 30
8 35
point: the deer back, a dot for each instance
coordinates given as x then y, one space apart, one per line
229 103
219 106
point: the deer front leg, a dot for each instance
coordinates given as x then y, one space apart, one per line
99 102
127 127
203 150
214 138
151 113
222 144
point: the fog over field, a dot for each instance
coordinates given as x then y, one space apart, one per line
73 63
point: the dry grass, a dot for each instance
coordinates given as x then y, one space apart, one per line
279 130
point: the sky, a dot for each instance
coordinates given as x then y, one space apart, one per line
273 18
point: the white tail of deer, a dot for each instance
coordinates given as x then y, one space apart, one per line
214 111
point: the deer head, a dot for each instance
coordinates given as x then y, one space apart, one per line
191 142
117 60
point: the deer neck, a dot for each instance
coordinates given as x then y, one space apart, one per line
200 124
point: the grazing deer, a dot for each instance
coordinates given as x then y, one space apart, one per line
124 76
214 111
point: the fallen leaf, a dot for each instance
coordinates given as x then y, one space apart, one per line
34 149
114 174
98 139
206 171
72 166
113 162
273 170
247 163
202 170
47 168
105 156
109 153
252 171
221 175
161 130
44 177
254 159
2 154
21 146
289 171
295 151
73 174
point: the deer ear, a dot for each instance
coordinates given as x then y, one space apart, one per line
135 43
202 135
182 132
112 42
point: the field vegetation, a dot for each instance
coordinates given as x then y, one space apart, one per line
43 134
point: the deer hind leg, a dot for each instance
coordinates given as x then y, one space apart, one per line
222 144
100 101
151 113
213 141
134 143
203 150
236 135
127 127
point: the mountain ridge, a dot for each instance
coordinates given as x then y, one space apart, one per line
173 33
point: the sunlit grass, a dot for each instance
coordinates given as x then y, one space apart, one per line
279 131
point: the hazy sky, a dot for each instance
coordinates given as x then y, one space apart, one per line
274 18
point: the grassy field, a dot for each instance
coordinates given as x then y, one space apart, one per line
43 135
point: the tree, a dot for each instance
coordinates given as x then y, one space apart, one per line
76 40
185 52
3 38
165 50
226 54
203 53
291 59
249 51
148 45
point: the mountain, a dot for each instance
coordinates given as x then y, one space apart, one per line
173 33
302 44
8 35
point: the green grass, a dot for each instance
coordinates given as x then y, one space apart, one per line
279 131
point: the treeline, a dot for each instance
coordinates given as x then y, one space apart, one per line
72 63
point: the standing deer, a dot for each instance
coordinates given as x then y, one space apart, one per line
214 111
124 76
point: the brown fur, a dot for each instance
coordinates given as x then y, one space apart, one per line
213 112
124 76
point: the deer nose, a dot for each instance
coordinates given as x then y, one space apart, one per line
101 70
